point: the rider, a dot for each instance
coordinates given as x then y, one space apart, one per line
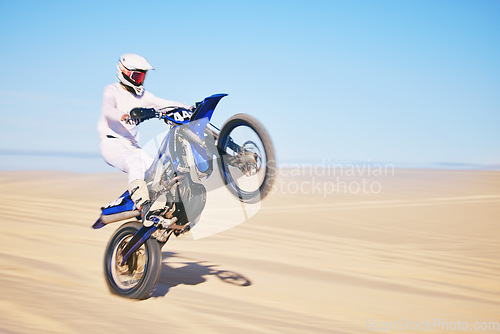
118 132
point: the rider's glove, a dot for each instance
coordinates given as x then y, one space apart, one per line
126 118
138 115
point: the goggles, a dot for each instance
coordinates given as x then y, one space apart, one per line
136 76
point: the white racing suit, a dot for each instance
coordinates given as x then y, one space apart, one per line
119 140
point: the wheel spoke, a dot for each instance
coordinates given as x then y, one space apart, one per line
128 275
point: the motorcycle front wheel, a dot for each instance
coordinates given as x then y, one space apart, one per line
247 162
137 277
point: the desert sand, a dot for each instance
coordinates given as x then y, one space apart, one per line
418 248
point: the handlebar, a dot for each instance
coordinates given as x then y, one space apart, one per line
142 114
169 114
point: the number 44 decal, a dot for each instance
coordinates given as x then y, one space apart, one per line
181 115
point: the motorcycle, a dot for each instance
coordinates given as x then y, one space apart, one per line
244 155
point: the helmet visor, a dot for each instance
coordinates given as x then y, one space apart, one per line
137 77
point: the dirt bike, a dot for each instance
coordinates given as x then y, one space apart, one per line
244 155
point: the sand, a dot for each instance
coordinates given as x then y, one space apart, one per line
420 248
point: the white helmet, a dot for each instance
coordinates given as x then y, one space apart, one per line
131 72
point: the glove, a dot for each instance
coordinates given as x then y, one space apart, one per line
138 115
126 118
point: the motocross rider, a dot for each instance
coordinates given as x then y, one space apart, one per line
118 131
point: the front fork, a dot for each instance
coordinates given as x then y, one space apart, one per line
137 241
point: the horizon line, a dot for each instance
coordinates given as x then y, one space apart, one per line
288 163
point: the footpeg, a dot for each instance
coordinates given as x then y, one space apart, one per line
164 222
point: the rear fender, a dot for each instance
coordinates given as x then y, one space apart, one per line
121 208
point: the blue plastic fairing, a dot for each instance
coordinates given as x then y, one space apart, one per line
122 204
207 107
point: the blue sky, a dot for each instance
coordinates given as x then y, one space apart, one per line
412 83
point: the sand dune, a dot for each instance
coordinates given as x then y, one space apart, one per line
421 248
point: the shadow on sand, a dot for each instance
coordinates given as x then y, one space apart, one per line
177 270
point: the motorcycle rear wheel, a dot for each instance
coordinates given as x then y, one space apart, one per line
137 277
250 179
